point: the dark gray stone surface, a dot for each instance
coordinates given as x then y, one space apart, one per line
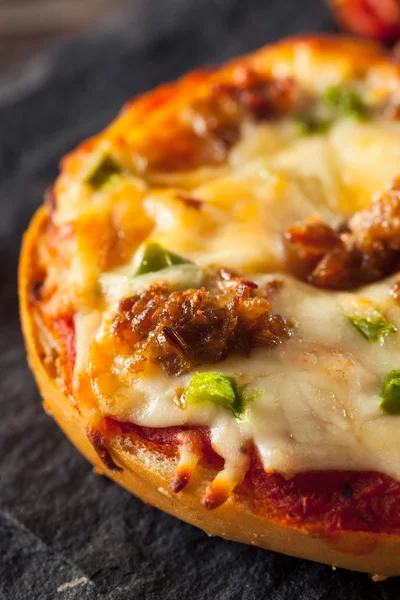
65 533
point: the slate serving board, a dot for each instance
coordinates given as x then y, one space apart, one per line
65 533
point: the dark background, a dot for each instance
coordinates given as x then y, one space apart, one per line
59 523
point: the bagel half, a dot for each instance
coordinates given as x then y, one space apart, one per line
189 168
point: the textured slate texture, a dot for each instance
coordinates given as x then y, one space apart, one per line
65 533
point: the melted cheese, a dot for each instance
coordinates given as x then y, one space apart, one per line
318 406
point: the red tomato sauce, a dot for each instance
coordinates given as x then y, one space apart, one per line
330 500
326 500
64 328
165 440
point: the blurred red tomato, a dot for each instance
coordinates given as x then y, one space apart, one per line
379 19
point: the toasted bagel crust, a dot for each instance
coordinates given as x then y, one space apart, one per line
143 473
